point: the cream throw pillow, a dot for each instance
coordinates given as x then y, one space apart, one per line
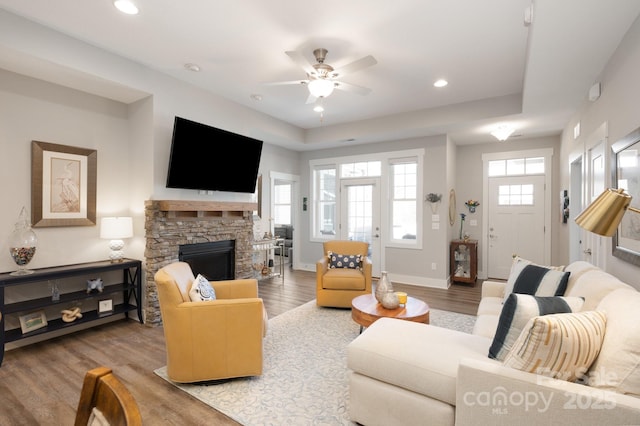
201 290
516 313
618 365
562 346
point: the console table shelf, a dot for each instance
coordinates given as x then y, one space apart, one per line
130 287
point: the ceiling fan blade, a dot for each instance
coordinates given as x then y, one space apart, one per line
354 66
283 83
302 62
348 87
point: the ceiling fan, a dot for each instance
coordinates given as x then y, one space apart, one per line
322 78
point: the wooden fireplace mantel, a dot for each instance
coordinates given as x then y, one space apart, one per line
185 209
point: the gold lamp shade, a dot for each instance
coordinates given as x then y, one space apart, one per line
603 216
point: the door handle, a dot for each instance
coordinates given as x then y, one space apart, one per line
587 251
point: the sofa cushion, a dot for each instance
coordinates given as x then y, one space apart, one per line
618 365
561 346
418 357
201 290
486 325
351 261
594 286
516 313
526 277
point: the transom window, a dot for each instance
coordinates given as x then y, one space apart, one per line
361 169
517 166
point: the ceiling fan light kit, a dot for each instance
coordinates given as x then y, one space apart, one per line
322 78
320 88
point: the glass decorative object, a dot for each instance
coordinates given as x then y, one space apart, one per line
383 287
390 300
22 243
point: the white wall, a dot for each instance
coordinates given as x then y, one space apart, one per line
618 107
35 110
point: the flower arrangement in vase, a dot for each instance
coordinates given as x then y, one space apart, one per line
471 205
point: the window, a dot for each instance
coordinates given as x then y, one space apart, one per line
404 198
361 169
282 203
324 179
517 166
515 195
398 220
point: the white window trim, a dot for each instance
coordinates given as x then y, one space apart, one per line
385 215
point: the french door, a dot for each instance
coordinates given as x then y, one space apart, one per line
360 215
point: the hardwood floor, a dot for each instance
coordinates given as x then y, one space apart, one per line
40 383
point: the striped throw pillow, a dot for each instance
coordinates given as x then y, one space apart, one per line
528 278
516 313
562 346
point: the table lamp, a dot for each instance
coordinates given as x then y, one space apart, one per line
115 229
604 214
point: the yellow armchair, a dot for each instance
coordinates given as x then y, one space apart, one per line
210 340
338 286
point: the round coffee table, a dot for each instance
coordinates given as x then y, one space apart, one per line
365 310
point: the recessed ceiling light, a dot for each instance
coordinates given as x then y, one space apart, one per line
126 6
440 83
192 67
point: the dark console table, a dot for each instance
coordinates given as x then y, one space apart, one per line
130 288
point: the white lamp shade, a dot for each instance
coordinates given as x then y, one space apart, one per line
116 228
320 88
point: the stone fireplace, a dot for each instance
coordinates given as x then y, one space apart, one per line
172 224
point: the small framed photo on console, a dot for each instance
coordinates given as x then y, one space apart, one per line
33 321
105 306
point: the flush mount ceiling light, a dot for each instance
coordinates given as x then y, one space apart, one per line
126 6
440 83
320 88
503 132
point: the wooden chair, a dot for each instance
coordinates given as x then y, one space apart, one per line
103 391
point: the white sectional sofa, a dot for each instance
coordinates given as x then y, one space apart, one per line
406 373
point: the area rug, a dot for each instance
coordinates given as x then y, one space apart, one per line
304 380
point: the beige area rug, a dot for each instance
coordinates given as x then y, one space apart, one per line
304 379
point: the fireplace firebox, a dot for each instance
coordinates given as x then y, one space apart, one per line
214 260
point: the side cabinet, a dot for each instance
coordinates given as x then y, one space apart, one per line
32 303
464 261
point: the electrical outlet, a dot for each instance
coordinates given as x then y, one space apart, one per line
433 266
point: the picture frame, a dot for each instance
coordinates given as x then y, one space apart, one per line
626 174
63 185
33 321
105 306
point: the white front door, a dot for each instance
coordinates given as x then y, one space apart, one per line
516 222
360 215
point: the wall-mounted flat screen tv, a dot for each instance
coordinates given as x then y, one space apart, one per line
207 158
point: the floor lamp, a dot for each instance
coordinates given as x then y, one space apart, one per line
603 216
